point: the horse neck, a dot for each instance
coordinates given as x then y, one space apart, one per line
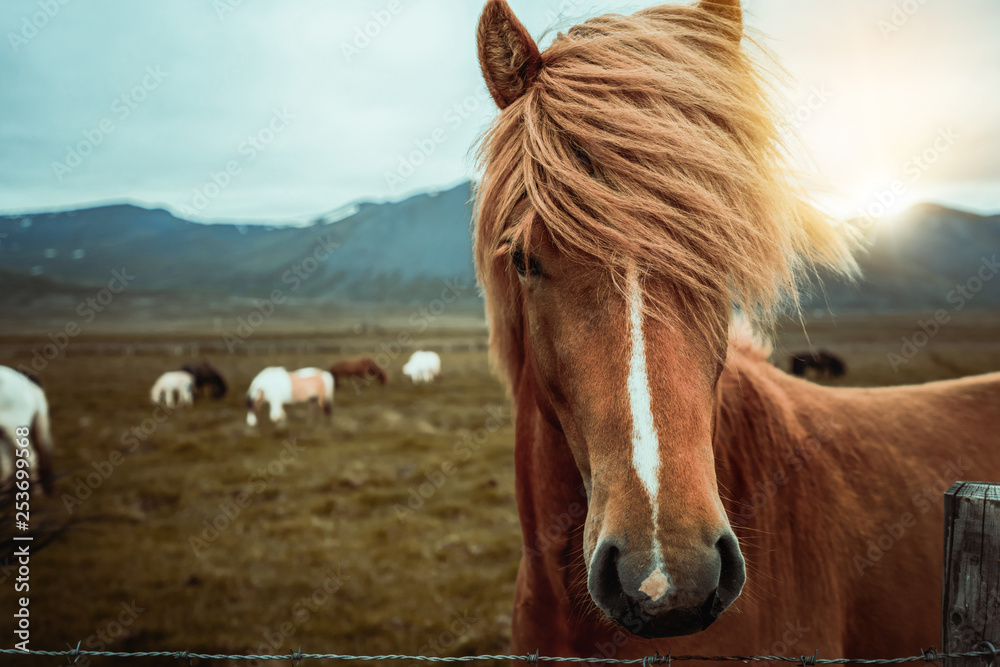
768 425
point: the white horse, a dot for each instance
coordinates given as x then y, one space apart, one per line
277 387
423 366
24 413
173 388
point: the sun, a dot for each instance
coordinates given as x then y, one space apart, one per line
876 202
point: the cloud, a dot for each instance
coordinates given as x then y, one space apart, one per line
370 83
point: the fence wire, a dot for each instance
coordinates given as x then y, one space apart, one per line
984 650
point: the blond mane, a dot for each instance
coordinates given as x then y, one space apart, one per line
650 139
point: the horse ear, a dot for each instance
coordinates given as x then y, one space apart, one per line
729 10
508 55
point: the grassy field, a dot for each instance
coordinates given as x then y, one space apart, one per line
391 528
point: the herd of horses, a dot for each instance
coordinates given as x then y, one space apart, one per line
277 387
24 405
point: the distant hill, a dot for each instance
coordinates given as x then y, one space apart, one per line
407 252
916 260
400 252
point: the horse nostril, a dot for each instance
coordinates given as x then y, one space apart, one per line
732 575
605 582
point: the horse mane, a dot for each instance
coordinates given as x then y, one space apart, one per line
651 139
747 343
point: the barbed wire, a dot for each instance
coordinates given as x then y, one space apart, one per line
984 650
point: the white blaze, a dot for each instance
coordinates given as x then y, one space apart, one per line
645 443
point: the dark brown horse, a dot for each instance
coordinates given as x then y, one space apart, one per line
362 372
669 480
825 363
206 378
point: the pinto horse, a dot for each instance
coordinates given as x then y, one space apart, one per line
24 412
277 387
173 388
827 364
362 371
206 378
676 491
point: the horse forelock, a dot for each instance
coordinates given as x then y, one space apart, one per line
652 141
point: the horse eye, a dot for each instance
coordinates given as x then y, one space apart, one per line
517 259
524 268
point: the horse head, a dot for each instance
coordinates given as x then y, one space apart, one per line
629 199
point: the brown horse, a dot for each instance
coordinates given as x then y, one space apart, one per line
635 188
361 371
826 364
206 378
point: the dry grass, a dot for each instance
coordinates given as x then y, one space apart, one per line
329 515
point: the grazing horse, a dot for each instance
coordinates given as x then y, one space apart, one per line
362 370
634 189
277 387
206 378
24 412
827 364
422 367
173 388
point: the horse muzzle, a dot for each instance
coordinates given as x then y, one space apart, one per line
649 599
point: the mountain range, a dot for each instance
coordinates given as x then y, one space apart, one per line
409 251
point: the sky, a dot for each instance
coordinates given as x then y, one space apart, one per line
224 110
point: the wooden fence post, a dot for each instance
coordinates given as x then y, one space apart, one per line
970 598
